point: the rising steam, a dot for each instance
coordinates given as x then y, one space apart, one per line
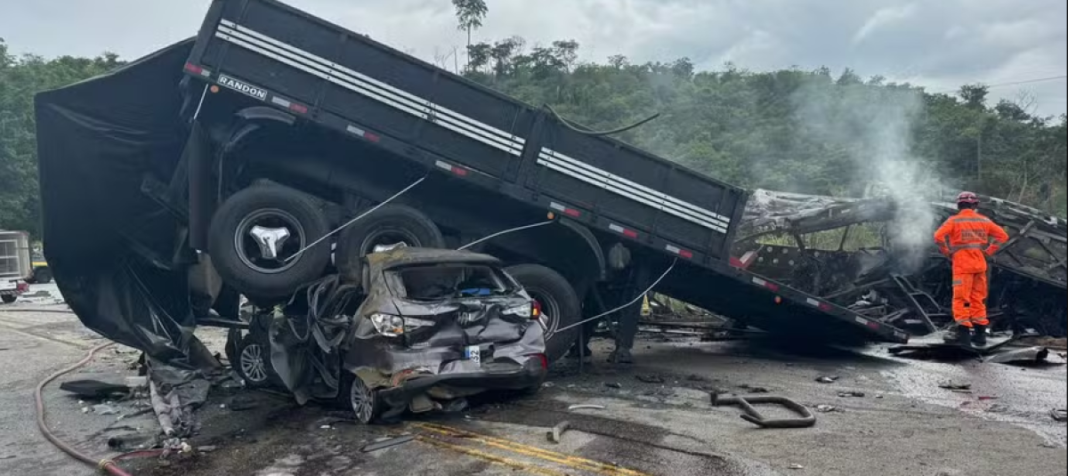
876 125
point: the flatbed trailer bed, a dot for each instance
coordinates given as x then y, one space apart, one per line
277 56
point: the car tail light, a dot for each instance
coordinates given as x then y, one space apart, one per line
535 312
22 287
543 360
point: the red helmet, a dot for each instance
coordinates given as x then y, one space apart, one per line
968 197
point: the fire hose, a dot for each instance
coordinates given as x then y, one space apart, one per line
108 465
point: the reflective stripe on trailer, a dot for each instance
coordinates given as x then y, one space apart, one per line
623 231
679 251
603 179
455 169
365 85
571 212
362 133
198 70
767 284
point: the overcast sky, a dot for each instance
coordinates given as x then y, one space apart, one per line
936 43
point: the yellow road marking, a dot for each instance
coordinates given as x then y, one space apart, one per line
511 463
533 451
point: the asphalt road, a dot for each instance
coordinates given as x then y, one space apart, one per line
657 419
33 346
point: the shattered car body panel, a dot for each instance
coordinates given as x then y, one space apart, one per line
437 323
846 251
436 312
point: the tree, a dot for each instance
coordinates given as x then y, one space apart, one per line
974 95
566 52
470 14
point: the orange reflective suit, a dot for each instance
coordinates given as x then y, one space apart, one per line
968 239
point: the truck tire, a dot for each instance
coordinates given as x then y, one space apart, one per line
245 264
559 303
388 225
8 298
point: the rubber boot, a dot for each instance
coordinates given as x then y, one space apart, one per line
960 335
979 338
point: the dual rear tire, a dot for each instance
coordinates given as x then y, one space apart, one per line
261 240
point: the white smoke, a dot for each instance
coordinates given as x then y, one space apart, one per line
875 125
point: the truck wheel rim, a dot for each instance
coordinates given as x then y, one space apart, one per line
252 363
388 237
550 312
362 400
249 249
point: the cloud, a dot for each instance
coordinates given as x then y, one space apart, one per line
884 18
936 43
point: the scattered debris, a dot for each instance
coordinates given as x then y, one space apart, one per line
852 394
998 408
326 427
94 389
796 466
104 409
1025 356
955 386
585 407
751 415
985 398
548 385
1059 415
387 443
696 378
242 403
615 385
136 382
144 439
655 379
880 396
828 379
827 409
1050 445
176 446
207 449
754 390
557 431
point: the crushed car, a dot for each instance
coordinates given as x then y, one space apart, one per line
422 330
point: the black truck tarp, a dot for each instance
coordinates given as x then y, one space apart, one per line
110 245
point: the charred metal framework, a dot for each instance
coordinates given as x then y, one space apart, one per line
902 286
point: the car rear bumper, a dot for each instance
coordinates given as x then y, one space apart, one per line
531 374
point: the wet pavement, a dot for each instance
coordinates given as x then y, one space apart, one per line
657 419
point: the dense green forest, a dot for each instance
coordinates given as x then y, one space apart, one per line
814 131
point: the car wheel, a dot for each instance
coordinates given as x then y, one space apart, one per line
256 237
386 227
42 276
364 402
8 299
254 362
559 303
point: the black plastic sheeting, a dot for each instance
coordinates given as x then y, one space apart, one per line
111 246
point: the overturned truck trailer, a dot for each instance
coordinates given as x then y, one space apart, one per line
240 151
854 252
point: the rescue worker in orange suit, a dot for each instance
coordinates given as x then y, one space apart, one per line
968 239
